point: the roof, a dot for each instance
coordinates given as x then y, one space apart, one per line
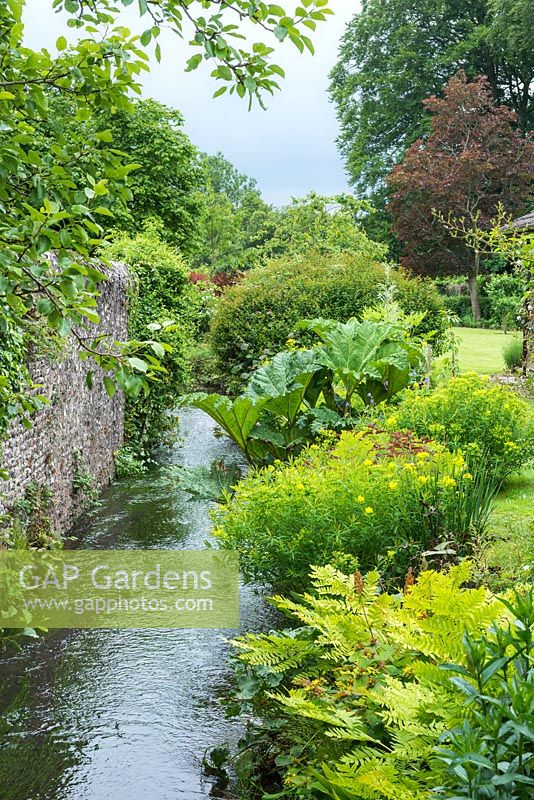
525 223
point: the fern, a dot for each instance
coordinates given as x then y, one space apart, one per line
363 674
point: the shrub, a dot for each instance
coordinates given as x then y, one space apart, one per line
505 294
513 354
370 497
482 418
161 293
257 316
355 700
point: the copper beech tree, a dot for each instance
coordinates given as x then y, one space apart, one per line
473 160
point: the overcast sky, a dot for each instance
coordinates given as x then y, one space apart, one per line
290 148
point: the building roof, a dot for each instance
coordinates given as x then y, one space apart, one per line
525 223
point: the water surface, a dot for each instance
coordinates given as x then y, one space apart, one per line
121 714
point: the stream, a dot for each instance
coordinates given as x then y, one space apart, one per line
125 714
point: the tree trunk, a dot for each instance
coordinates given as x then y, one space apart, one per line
473 293
473 288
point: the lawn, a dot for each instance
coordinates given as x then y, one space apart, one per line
481 349
512 527
512 521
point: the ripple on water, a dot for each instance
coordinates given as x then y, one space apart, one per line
119 714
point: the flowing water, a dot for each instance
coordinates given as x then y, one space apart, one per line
122 714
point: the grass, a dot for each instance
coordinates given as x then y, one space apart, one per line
511 527
481 349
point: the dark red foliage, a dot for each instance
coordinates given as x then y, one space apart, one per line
223 279
473 158
199 277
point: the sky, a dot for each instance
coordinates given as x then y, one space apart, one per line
289 148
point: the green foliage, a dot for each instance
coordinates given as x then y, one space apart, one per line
301 392
219 33
371 497
374 360
254 319
162 305
83 483
128 462
487 421
237 417
395 53
231 234
30 522
48 204
61 180
513 354
224 178
355 697
326 225
491 755
213 483
505 294
235 220
168 176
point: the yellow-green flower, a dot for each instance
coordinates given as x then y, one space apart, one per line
423 479
369 510
423 455
468 476
300 487
393 485
448 482
360 498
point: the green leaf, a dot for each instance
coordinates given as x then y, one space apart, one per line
283 382
194 62
146 37
138 364
109 386
237 418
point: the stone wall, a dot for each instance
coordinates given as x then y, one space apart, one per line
79 425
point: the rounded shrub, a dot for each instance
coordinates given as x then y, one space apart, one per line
256 317
484 419
363 502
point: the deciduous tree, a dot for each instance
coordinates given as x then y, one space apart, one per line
326 225
397 52
473 160
166 182
47 203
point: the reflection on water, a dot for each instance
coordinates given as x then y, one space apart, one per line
121 714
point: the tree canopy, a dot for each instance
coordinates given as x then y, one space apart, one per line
327 225
397 52
234 219
473 162
58 197
165 185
